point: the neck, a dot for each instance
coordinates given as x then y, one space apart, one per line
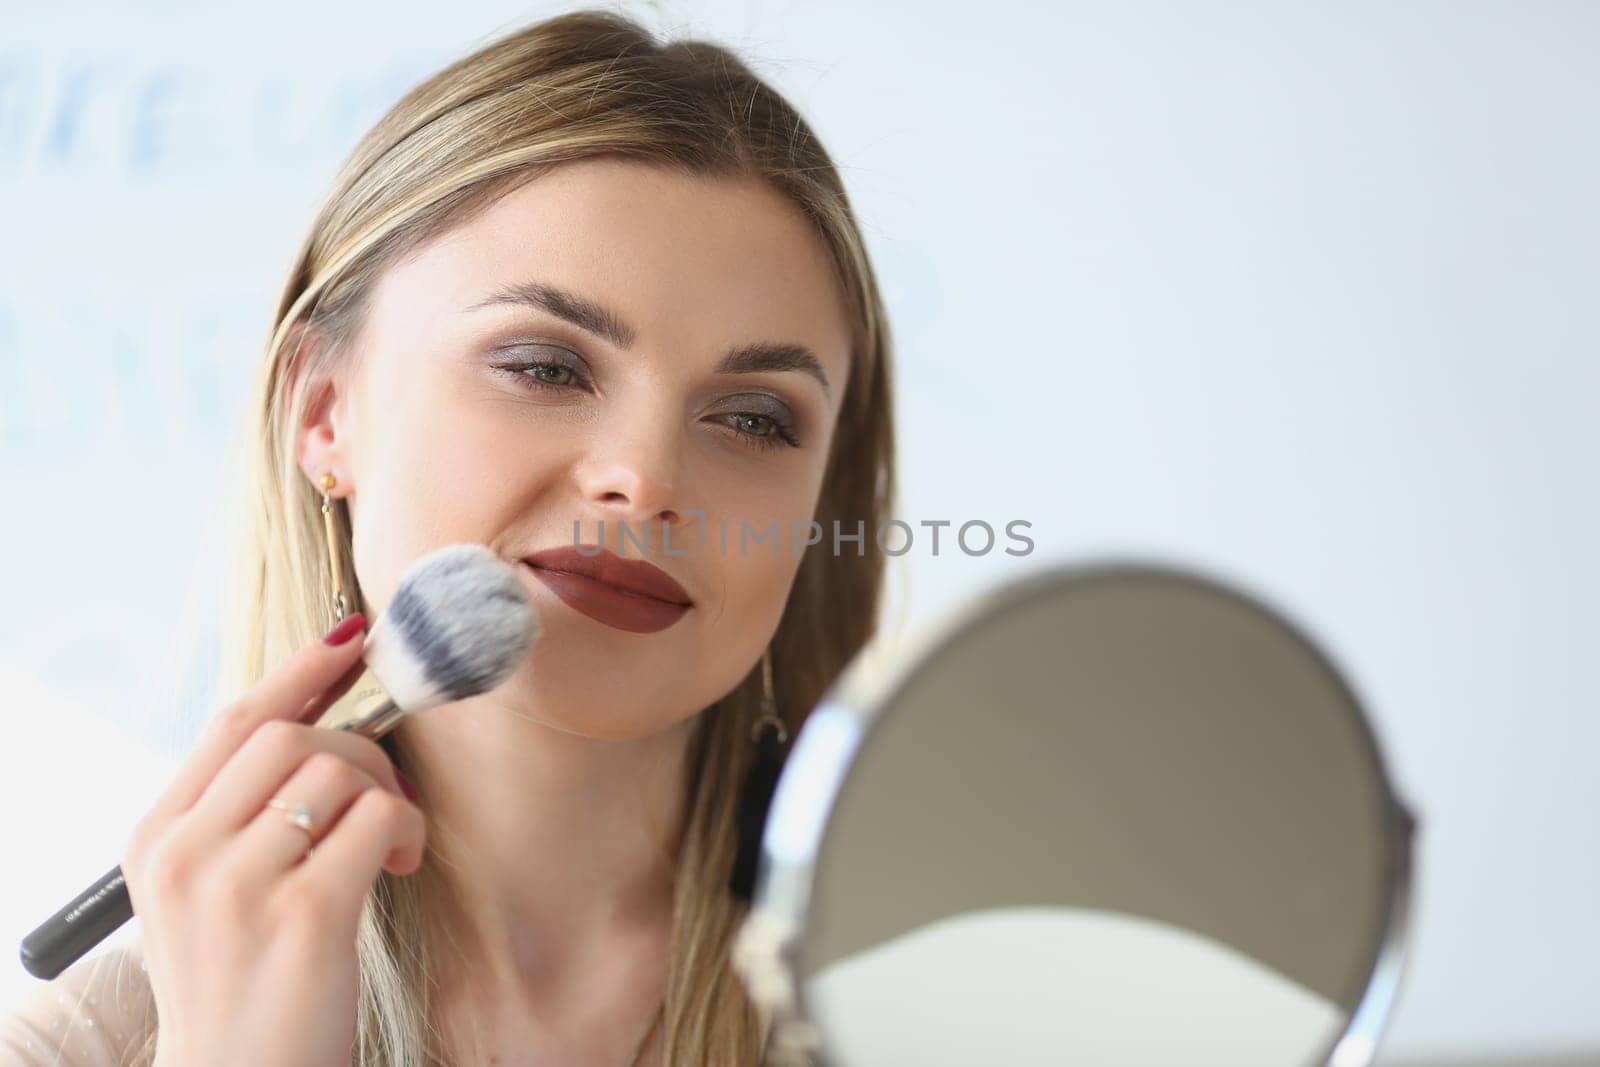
555 852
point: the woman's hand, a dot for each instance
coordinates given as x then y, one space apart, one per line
248 940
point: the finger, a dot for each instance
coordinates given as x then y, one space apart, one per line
314 711
270 843
378 831
281 694
263 765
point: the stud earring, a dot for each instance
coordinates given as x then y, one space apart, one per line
769 735
341 602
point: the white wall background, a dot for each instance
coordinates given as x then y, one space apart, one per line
1303 295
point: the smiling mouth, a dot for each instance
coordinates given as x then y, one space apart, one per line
634 578
615 606
624 590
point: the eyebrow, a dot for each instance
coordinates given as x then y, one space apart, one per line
603 322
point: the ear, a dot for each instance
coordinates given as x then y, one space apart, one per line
322 435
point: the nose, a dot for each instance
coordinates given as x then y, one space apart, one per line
632 480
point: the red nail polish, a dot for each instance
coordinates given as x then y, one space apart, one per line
405 784
348 628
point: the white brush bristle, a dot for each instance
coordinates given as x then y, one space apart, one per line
459 623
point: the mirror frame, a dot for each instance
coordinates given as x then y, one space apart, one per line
766 948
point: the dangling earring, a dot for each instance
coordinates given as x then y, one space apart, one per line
341 603
769 735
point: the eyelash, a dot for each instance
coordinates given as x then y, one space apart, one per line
783 433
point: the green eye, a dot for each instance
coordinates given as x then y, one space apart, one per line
551 374
760 431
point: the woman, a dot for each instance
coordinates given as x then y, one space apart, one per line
577 277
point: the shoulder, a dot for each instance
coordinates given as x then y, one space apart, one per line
99 1011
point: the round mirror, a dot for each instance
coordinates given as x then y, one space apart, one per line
1113 814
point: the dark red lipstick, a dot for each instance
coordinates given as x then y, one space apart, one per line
627 594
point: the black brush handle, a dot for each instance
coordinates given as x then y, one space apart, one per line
88 920
61 940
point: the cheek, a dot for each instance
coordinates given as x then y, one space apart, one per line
756 580
434 472
755 592
758 584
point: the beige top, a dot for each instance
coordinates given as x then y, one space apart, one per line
97 1013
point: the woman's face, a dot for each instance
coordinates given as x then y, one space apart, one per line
564 358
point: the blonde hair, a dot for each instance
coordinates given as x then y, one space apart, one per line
584 84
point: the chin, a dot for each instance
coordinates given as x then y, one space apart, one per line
615 705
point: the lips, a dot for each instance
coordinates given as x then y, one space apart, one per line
629 575
626 594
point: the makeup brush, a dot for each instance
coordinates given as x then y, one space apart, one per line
459 623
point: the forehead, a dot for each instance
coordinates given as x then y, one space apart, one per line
691 263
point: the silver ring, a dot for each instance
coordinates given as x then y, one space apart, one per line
300 817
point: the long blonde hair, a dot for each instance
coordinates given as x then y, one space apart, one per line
584 84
